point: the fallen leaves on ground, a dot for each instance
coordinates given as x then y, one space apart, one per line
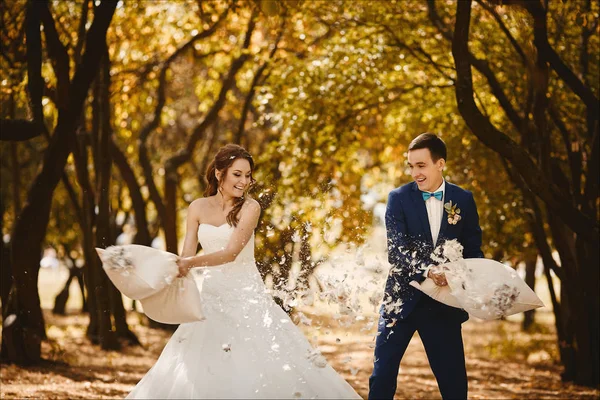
502 361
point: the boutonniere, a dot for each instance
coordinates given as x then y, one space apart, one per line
453 212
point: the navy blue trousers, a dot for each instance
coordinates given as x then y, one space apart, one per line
439 327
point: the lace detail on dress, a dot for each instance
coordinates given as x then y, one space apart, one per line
247 347
215 238
231 284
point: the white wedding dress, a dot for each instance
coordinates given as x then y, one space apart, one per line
247 347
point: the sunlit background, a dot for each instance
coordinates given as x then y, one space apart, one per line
326 96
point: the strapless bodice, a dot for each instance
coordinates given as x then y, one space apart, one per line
214 238
246 348
229 284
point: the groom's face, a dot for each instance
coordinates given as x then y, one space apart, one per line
426 172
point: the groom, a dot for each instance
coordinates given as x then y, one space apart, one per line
419 218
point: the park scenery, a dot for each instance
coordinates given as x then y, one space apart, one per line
112 111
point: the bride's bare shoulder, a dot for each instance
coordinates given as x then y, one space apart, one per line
252 204
198 205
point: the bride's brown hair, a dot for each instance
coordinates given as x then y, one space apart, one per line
222 162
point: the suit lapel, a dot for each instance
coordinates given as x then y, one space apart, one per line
421 211
447 197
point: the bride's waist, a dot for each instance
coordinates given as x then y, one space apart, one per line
231 275
217 288
239 264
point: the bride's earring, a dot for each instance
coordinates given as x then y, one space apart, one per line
218 178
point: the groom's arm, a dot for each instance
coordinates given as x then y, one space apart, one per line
399 243
471 234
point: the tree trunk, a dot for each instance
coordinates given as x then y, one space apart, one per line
23 337
142 236
308 265
16 178
170 222
120 316
576 318
587 329
564 343
568 346
530 264
6 278
61 299
5 274
113 321
87 224
80 281
103 163
574 224
285 254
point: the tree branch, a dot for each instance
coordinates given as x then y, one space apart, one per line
592 191
540 31
536 220
429 59
137 200
483 67
536 180
73 198
394 95
18 130
574 155
212 115
81 30
504 29
58 55
155 121
255 81
95 43
35 81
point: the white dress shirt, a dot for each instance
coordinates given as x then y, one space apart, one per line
435 211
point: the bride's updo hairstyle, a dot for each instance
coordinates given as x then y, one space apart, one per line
222 162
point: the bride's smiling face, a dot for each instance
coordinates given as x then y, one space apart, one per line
426 172
236 179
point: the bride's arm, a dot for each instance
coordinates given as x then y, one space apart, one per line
190 243
239 238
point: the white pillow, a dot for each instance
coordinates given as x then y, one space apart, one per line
138 271
485 288
439 293
178 303
150 275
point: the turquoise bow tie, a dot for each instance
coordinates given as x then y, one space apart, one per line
437 195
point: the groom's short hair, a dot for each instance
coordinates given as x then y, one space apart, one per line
430 141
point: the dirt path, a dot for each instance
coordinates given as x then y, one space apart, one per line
502 362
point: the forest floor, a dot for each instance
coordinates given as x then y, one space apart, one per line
502 362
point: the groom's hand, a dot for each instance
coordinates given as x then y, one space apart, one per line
438 277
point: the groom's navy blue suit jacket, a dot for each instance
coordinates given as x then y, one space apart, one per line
410 243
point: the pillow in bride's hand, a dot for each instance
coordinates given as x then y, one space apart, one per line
178 303
438 293
138 271
488 289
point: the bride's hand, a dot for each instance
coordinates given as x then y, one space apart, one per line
184 265
437 276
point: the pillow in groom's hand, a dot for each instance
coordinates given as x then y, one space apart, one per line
488 289
178 303
138 271
438 293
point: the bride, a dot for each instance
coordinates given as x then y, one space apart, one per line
247 347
